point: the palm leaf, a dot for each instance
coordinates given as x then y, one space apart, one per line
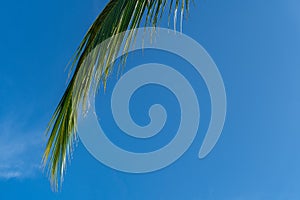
117 16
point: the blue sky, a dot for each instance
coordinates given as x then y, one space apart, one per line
255 45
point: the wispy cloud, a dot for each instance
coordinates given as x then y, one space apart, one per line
20 151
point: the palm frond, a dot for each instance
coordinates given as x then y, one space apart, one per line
117 16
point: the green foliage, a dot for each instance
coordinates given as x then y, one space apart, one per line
89 68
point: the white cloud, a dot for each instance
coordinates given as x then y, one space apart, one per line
20 151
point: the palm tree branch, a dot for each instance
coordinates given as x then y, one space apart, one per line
89 68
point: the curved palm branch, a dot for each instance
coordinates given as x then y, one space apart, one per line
118 16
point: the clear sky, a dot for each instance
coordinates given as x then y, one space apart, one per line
256 46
